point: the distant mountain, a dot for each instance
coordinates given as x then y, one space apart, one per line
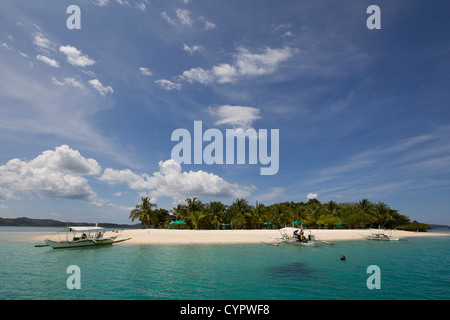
29 222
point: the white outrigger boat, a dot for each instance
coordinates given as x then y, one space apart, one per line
384 237
290 236
82 237
380 236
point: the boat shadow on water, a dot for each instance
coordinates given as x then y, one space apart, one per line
290 270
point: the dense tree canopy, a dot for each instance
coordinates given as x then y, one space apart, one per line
242 215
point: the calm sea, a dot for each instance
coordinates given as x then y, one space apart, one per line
419 269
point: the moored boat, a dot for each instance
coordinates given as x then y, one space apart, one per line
384 237
82 237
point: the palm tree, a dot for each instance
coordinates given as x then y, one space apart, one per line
239 211
314 210
381 213
195 218
332 208
365 205
143 212
193 204
257 213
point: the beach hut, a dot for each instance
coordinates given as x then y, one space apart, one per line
364 225
223 226
340 224
271 225
297 224
178 224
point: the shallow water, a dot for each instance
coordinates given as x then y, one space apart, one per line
419 269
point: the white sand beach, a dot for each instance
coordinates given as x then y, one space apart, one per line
171 237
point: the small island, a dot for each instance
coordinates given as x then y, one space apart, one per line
195 214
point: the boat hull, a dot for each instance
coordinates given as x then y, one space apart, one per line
79 243
387 239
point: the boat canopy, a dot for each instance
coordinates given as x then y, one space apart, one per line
81 229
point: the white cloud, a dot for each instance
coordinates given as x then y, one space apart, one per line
246 64
5 193
208 24
266 62
141 6
55 174
69 81
168 85
184 17
168 19
224 73
237 116
74 56
312 196
42 42
198 75
145 71
51 62
191 50
6 46
170 181
102 3
100 87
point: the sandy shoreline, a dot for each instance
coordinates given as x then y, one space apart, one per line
165 236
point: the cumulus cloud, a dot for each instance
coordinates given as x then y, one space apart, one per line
75 57
55 173
171 181
198 75
237 116
312 196
103 90
51 62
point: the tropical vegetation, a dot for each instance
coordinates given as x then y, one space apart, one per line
242 215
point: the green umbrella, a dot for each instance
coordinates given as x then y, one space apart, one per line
340 224
270 223
178 223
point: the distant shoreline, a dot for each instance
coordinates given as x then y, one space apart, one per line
29 222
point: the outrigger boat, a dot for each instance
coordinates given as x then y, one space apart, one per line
82 237
289 236
294 239
384 237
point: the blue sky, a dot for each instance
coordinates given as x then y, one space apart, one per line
86 116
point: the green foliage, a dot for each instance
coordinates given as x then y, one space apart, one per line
415 226
242 215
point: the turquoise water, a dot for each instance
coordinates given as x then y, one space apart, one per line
419 269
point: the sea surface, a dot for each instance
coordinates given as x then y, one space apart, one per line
419 269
